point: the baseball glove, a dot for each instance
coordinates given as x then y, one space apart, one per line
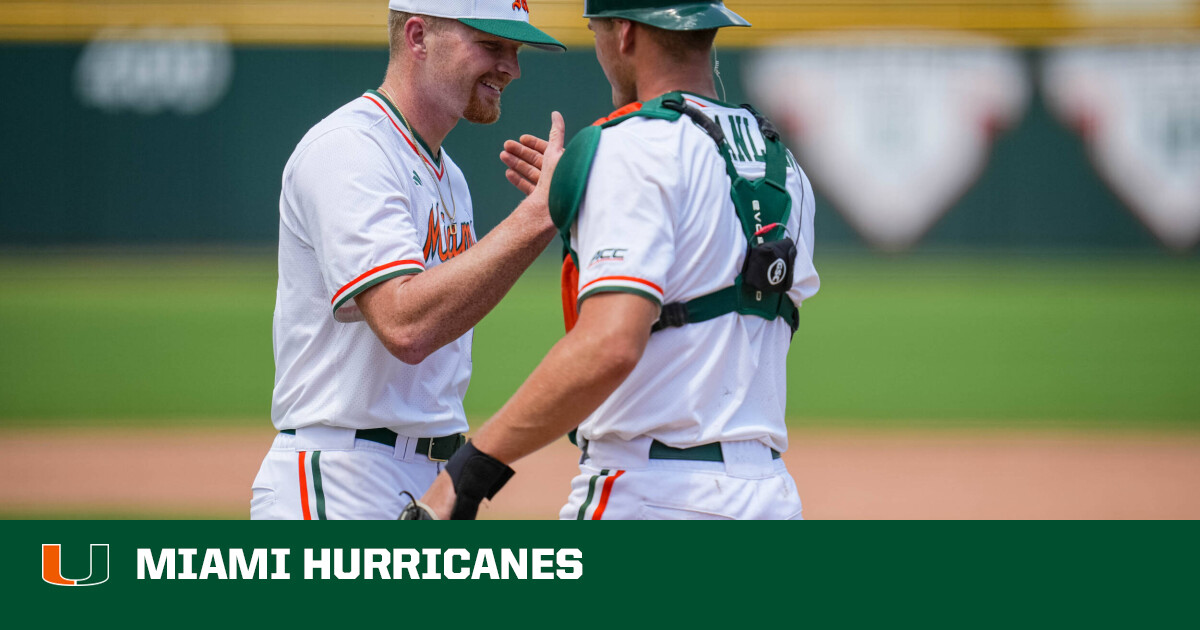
416 511
476 476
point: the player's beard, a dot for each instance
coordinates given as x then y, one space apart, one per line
480 112
484 110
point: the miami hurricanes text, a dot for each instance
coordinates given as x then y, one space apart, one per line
353 564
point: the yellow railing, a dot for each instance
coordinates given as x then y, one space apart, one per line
361 22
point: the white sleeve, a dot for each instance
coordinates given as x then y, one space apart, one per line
625 234
806 281
357 213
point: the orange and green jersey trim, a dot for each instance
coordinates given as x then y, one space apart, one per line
624 111
393 114
707 99
622 284
374 277
636 106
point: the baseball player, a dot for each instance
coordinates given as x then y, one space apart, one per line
380 276
689 236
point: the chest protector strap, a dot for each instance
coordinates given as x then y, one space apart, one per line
763 207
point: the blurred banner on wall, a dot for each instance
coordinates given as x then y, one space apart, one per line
154 70
1138 109
893 130
952 123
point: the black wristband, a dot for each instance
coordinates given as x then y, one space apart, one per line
476 476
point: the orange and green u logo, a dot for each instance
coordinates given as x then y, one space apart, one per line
52 567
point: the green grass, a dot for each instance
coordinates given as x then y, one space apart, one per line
948 341
129 339
1037 341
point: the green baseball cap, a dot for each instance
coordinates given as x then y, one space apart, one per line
503 18
671 15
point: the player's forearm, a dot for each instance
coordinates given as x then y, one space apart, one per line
438 306
415 316
578 374
446 301
575 378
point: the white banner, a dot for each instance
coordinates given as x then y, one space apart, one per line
893 131
1138 110
152 70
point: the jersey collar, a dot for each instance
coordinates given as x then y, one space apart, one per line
693 97
397 119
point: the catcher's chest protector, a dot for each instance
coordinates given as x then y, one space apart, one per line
762 206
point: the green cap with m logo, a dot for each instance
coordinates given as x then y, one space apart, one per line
671 15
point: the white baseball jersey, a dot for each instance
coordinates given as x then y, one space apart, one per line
657 220
364 201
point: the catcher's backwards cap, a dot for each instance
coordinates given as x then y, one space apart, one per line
671 15
503 18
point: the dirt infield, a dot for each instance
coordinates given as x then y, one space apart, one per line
841 474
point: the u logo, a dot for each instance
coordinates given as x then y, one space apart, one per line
52 567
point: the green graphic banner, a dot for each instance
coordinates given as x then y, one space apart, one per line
569 574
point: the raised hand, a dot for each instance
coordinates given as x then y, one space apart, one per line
527 159
524 162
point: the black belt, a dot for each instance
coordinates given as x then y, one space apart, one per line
703 453
438 449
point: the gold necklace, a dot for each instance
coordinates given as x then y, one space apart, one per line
383 91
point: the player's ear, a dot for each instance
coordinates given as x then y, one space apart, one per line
626 35
416 30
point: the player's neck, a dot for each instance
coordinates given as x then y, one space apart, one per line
421 114
694 78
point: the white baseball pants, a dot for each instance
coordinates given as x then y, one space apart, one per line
619 481
325 473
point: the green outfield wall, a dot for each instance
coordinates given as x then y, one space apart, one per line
76 174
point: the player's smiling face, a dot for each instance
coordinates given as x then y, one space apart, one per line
474 68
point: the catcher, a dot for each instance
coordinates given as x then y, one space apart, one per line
688 230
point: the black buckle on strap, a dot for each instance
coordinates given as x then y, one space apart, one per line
672 316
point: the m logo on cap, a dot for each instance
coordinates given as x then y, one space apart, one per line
503 18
